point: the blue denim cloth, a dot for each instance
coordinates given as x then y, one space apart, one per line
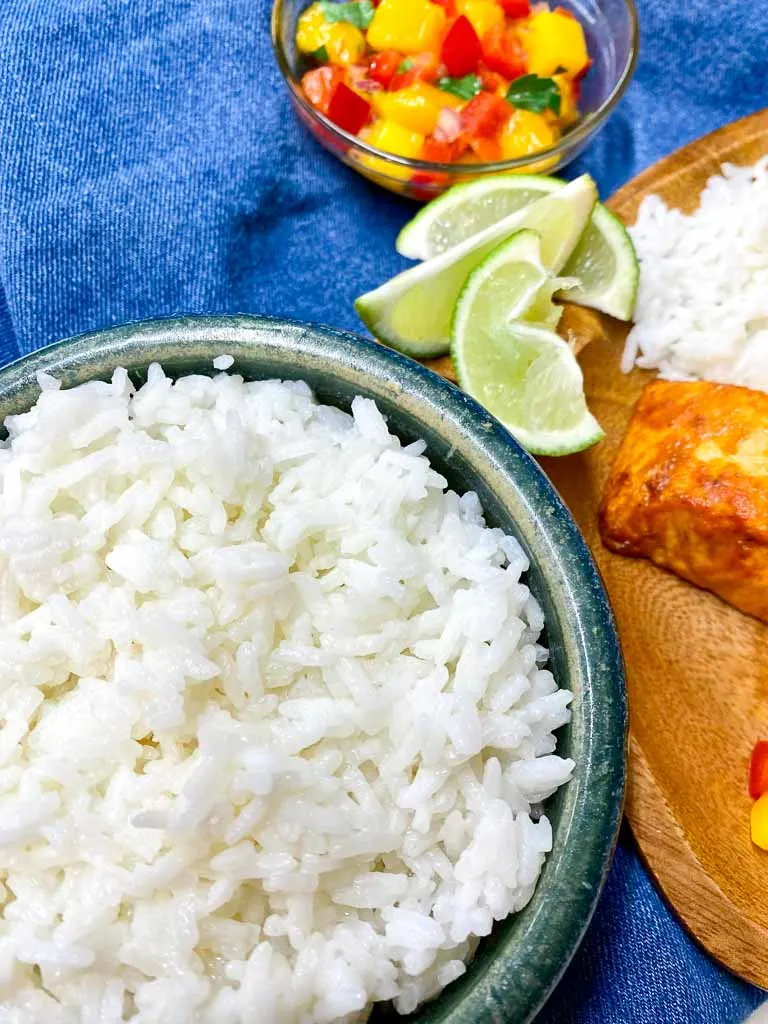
150 164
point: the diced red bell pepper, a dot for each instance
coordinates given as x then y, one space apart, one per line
448 5
425 185
422 68
461 50
487 151
758 770
492 80
503 52
437 152
484 115
348 110
319 84
383 66
516 8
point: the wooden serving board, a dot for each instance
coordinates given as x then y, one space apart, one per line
697 669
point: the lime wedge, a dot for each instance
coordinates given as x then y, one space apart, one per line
464 210
606 268
604 260
523 373
412 312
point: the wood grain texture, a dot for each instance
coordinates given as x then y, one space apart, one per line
697 669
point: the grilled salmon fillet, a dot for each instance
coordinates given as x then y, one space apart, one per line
689 488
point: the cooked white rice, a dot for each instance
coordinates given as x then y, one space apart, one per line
702 309
275 723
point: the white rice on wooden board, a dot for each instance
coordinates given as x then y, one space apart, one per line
702 304
276 725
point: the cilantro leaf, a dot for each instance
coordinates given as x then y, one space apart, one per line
533 93
358 12
465 88
404 65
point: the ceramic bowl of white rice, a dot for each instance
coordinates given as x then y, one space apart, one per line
311 702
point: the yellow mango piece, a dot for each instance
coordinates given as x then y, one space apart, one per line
554 40
344 43
483 14
392 138
417 107
758 822
569 113
527 133
410 26
312 29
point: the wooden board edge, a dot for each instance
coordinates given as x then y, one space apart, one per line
708 148
734 941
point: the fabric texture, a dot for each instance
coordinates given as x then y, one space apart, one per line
150 164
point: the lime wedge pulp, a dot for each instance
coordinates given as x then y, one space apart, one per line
412 312
605 265
604 259
464 210
523 373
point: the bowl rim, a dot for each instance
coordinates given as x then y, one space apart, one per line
584 128
518 982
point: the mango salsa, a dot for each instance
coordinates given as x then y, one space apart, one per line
445 81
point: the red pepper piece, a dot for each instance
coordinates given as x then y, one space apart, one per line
484 115
348 110
461 50
435 151
384 65
425 186
758 770
319 84
422 68
516 8
487 151
503 53
448 5
492 80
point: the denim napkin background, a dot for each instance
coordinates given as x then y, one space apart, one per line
150 164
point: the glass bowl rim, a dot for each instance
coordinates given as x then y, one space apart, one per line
582 130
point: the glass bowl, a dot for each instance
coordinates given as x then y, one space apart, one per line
612 33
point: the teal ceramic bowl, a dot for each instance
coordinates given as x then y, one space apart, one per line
516 968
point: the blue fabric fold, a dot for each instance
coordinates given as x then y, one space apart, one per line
150 164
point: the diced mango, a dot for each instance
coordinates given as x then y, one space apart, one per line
527 133
344 43
409 26
392 138
312 29
758 822
569 113
554 40
417 107
483 14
